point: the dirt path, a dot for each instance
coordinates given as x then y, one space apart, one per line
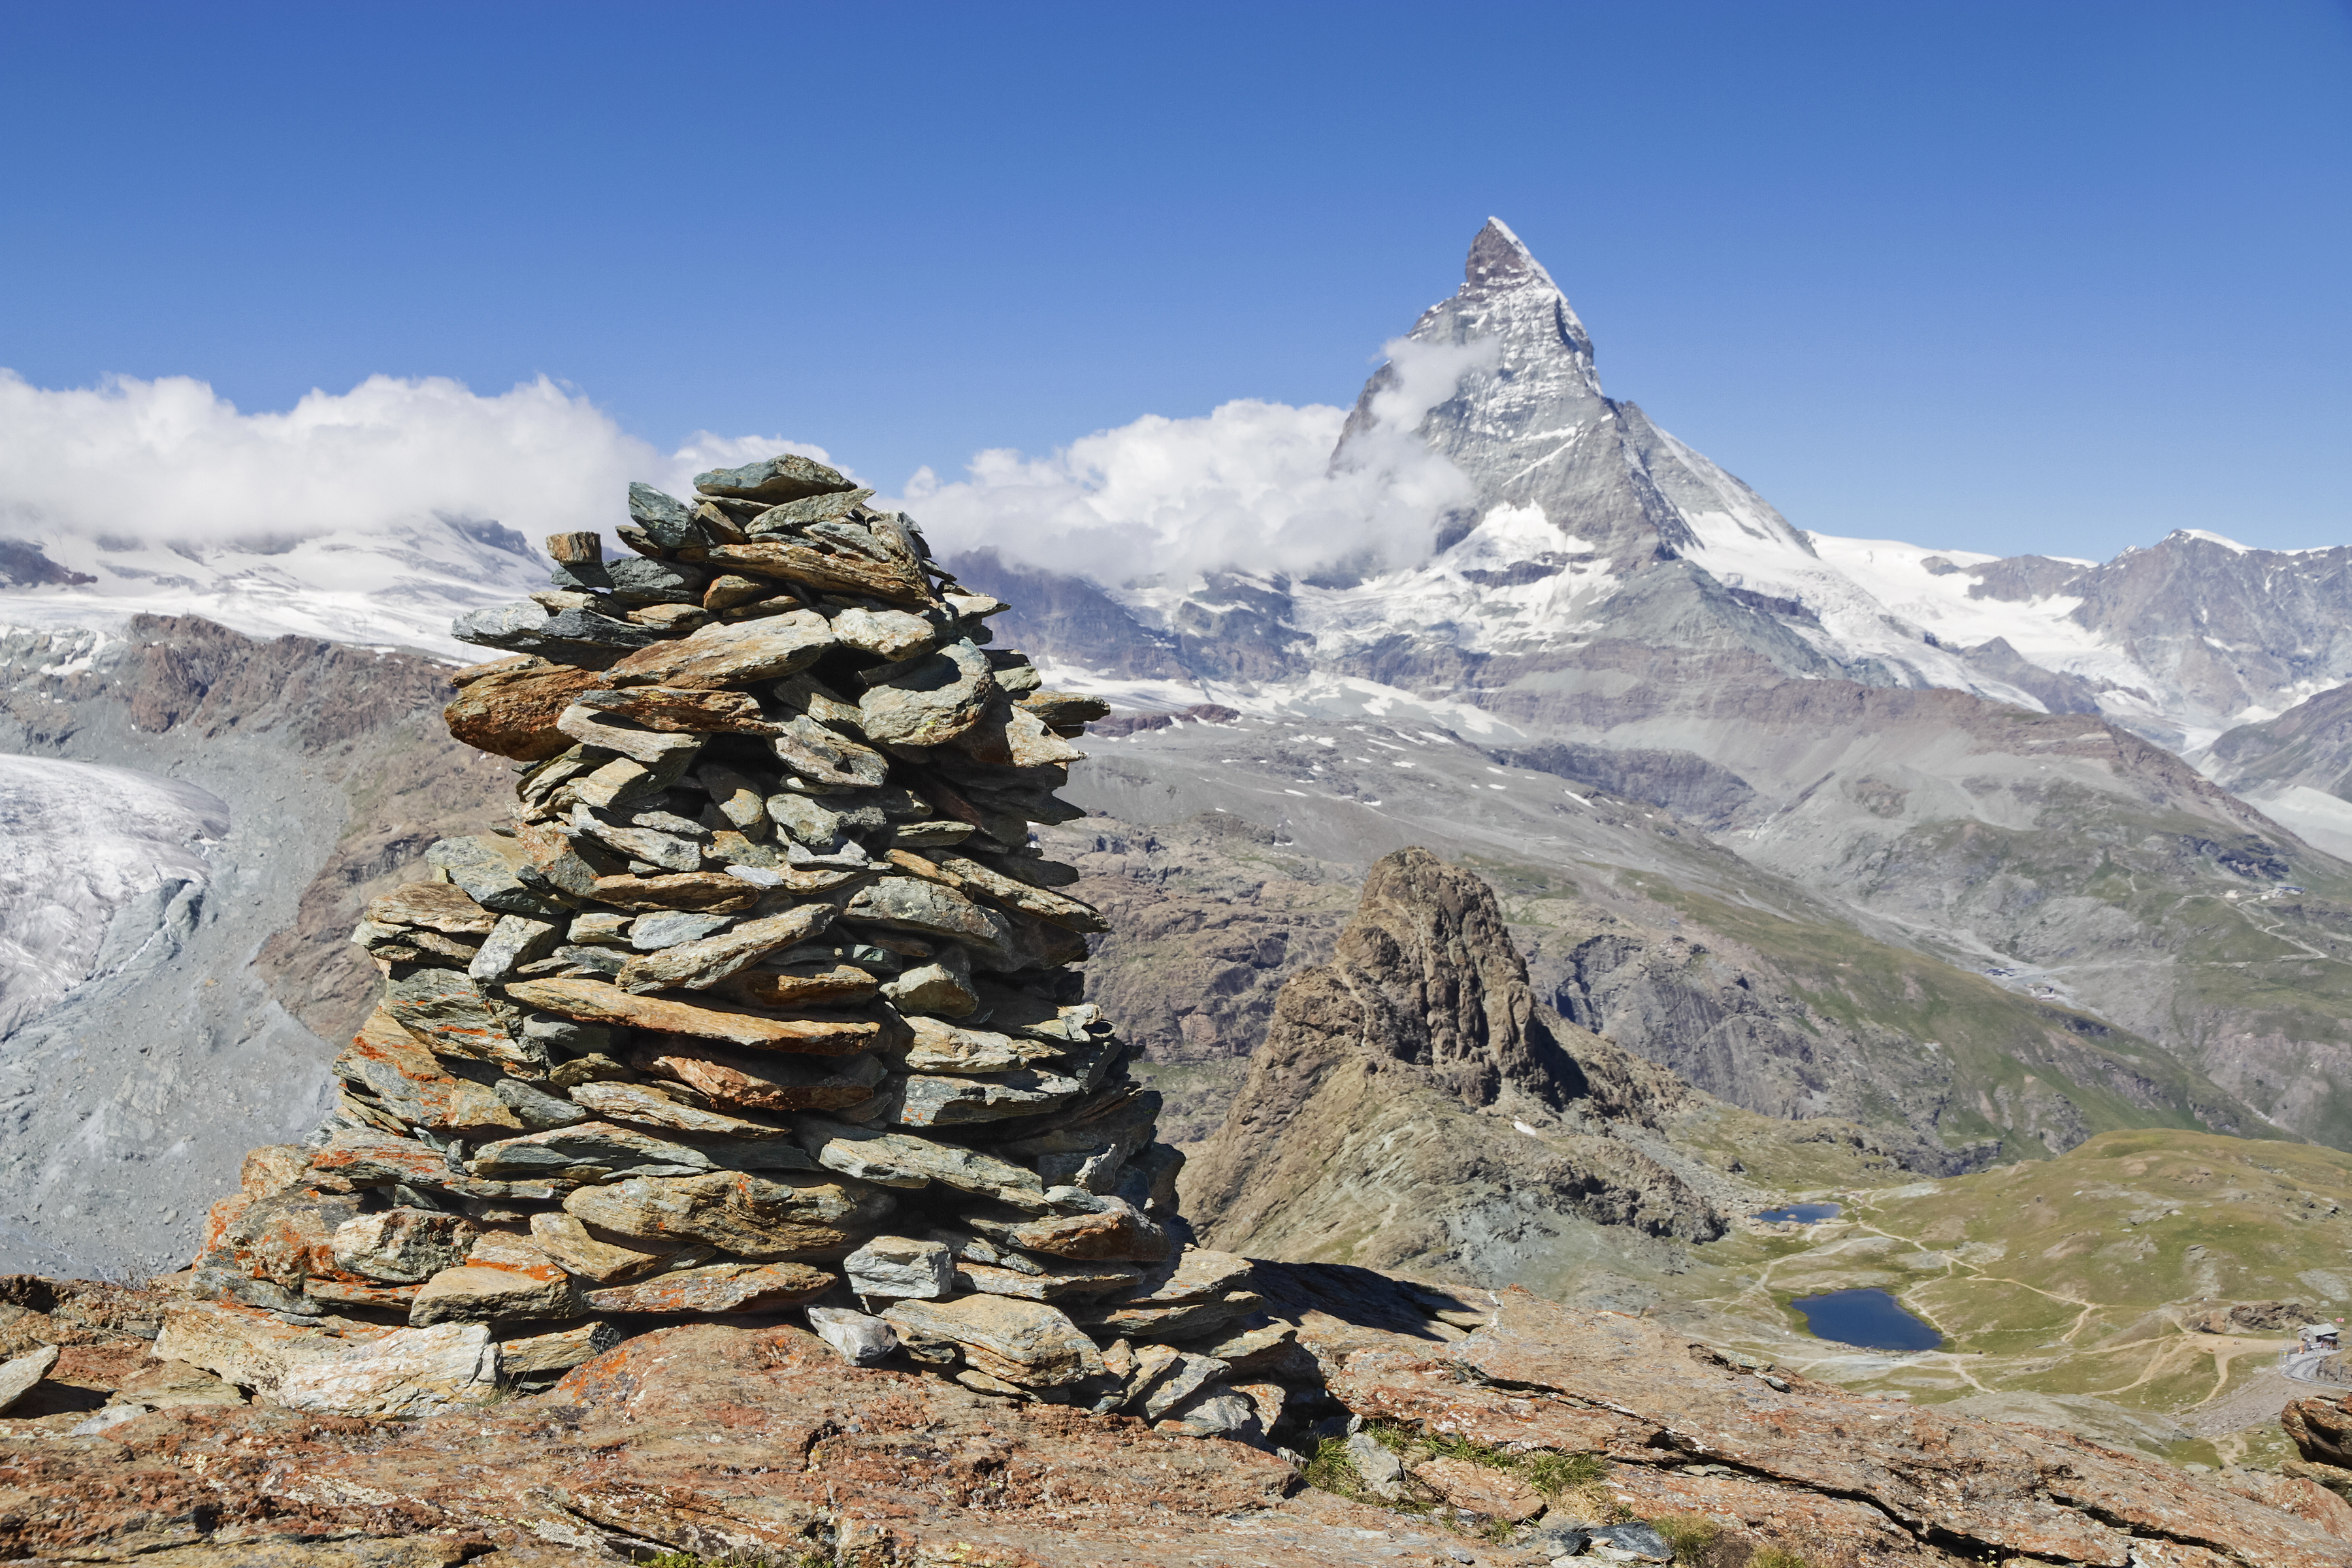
2260 1399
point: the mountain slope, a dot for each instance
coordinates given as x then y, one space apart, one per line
205 995
2297 767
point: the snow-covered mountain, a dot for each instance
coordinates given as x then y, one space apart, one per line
397 586
1593 525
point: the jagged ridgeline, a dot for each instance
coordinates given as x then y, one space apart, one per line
766 1000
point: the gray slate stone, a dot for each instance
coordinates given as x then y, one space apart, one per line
930 701
855 1338
781 479
651 933
901 1268
666 521
515 941
539 1110
487 867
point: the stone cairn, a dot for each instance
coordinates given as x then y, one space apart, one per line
765 1003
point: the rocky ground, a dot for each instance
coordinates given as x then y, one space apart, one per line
1423 1425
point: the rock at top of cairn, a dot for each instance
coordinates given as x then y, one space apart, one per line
764 1003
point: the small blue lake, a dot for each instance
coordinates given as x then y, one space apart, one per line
1870 1318
1802 1213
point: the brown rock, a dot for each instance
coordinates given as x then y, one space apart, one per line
241 1345
729 653
508 706
437 906
1027 1343
403 1246
681 709
719 1288
713 892
2313 1501
1479 1490
761 1080
828 574
1635 1389
762 1441
390 1066
557 1350
404 1375
474 1293
2320 1429
805 986
287 1235
1055 1282
747 1215
645 1105
18 1375
698 965
350 1293
596 1002
1119 1232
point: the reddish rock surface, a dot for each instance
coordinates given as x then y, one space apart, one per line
756 1440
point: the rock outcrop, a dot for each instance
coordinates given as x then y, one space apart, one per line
1444 1426
1413 1104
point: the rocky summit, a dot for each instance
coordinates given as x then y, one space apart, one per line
731 1170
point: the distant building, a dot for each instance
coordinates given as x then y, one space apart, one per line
2318 1336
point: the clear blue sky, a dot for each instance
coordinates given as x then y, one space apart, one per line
1995 276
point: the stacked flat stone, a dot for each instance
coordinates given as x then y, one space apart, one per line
766 1000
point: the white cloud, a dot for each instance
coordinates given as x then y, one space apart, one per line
1250 484
172 460
164 487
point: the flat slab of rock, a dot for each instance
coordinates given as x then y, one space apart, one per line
719 1288
902 1267
644 1105
471 1294
403 1246
1479 1490
1051 1282
558 1350
508 706
747 1215
18 1375
762 1081
1118 1232
596 1002
831 574
903 1160
777 481
390 1066
406 1374
729 653
1024 1343
238 1344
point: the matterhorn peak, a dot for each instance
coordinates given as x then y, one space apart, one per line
1500 259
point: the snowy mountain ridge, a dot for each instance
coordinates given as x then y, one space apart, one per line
1582 501
398 585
